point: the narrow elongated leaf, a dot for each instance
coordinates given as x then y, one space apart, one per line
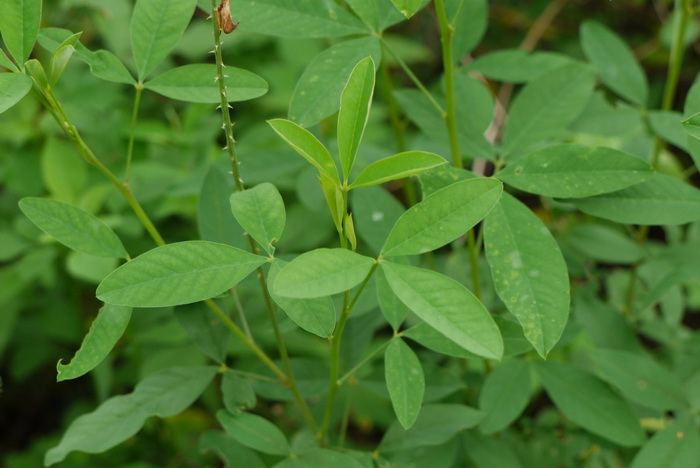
156 26
318 91
397 167
692 126
528 271
315 315
6 62
662 199
447 306
19 25
546 106
13 87
640 379
164 394
676 446
504 396
435 425
260 211
517 65
106 66
177 274
306 145
205 329
408 8
570 171
355 103
236 392
442 217
197 83
73 227
392 308
404 380
215 221
615 62
61 56
232 452
470 21
603 243
317 458
295 18
255 432
322 272
590 403
108 327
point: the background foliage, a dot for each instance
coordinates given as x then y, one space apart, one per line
598 156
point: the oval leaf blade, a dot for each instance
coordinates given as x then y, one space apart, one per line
196 83
315 315
662 199
255 432
104 333
504 396
260 211
676 446
404 380
13 87
307 145
156 26
569 171
73 227
322 272
528 271
447 306
177 274
19 24
397 167
355 103
442 217
590 403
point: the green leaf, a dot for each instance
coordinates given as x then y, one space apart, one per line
255 432
408 8
379 14
320 458
668 125
197 83
260 211
546 106
315 315
517 65
640 379
397 167
590 403
13 87
163 394
442 217
528 271
177 274
504 396
108 327
64 172
334 199
605 244
322 272
692 126
19 25
73 227
677 446
318 91
392 308
427 336
295 18
156 27
490 452
106 66
660 200
404 380
232 453
355 103
61 56
306 145
6 62
236 392
215 221
205 330
470 26
435 425
447 306
375 211
571 171
615 62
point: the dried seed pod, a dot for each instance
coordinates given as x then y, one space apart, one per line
224 12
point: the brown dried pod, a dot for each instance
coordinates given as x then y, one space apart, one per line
225 22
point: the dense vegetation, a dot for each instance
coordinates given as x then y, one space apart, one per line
447 233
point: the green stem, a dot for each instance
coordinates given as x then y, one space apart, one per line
446 36
289 380
364 361
132 132
414 78
394 112
335 354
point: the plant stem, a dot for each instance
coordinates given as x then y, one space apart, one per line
132 132
446 36
335 354
289 379
364 361
414 78
394 114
